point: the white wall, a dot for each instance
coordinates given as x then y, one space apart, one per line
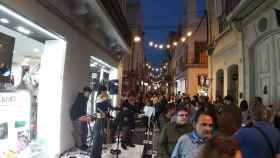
76 68
227 53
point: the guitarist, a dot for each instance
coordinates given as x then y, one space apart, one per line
102 108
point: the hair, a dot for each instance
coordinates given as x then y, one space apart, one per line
203 111
220 147
258 100
87 89
259 112
229 98
181 109
244 105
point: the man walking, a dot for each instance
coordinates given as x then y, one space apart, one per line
190 144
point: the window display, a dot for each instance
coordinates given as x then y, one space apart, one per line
6 54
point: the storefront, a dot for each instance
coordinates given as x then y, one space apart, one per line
103 74
32 58
48 65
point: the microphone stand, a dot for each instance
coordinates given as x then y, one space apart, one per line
117 151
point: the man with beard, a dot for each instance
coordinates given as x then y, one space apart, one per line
190 144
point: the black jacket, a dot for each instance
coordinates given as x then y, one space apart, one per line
126 118
79 107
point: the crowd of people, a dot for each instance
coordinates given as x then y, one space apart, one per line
194 127
190 127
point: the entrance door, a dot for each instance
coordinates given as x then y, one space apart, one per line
233 82
263 71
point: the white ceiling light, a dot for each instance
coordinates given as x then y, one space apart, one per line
21 18
23 30
36 50
4 21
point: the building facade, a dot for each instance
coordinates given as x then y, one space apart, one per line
259 24
190 58
55 44
135 61
225 55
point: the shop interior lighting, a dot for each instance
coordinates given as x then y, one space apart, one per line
102 62
4 21
23 30
189 33
36 50
24 20
151 43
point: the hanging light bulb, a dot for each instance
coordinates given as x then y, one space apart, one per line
189 33
151 43
175 43
160 46
156 46
168 46
183 39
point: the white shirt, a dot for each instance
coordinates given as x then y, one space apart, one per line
149 111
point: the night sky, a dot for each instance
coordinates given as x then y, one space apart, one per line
160 17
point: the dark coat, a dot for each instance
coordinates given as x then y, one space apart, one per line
126 118
79 107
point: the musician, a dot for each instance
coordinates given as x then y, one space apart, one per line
78 110
103 106
126 120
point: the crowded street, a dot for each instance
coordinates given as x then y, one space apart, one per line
139 78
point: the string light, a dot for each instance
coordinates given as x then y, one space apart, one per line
168 46
183 39
189 34
156 45
161 46
151 43
175 43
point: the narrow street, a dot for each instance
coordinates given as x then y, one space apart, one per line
140 79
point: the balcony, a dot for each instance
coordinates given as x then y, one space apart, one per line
114 10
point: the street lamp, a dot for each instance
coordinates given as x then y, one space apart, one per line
137 39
